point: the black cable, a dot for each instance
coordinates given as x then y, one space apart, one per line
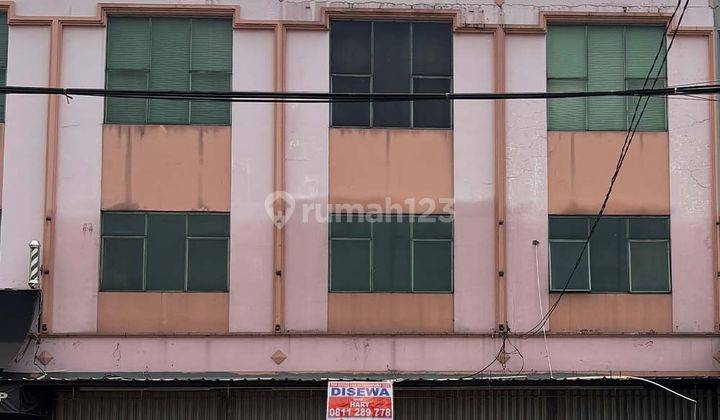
492 362
632 129
330 97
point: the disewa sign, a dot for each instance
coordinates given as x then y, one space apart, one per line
360 400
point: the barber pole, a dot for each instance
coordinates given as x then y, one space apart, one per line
34 280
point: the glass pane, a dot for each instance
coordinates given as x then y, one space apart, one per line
650 266
566 52
166 252
350 47
432 113
128 43
606 71
123 224
641 46
563 256
432 266
351 114
212 45
350 265
3 40
207 265
170 67
654 118
649 228
391 256
209 225
122 264
210 112
608 256
126 110
391 60
349 226
567 227
433 227
432 49
567 114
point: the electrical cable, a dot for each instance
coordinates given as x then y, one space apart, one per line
332 97
632 129
492 362
540 305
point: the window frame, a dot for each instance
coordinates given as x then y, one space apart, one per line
628 244
629 107
144 237
412 240
191 71
412 75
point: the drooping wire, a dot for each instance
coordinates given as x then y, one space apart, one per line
335 97
632 129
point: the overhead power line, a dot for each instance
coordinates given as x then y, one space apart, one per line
325 97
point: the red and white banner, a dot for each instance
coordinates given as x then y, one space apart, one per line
360 400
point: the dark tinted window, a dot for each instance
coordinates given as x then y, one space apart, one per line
391 57
165 251
625 254
394 254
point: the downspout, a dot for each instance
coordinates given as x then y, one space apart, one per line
279 186
714 117
499 133
51 155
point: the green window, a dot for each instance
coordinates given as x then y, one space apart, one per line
391 57
390 253
625 254
165 251
3 61
597 57
168 53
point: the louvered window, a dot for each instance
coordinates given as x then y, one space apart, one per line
596 57
166 53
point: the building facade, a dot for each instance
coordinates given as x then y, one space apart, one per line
213 247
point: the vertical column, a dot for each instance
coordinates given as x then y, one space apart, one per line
251 249
473 167
24 154
691 222
77 220
306 154
526 162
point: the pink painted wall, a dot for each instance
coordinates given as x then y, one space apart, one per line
78 195
691 176
24 157
526 184
253 137
665 355
248 349
474 166
306 166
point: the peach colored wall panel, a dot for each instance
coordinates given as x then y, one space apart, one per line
581 163
390 312
612 313
165 167
150 312
368 165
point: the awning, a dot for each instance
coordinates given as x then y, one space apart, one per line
17 311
